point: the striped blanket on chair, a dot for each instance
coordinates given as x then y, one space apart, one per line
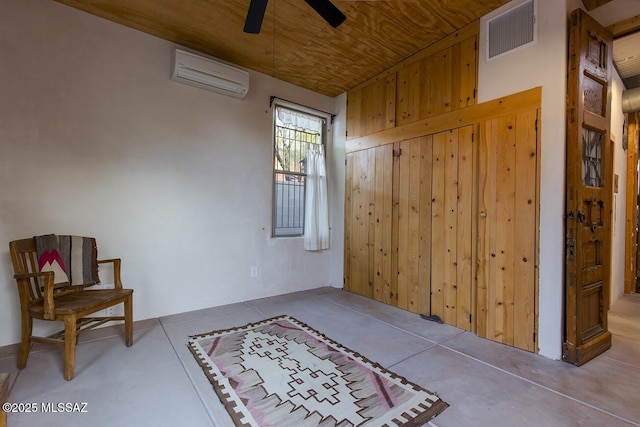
73 259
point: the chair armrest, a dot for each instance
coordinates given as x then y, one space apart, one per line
117 282
24 282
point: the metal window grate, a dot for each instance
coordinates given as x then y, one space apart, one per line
291 144
592 158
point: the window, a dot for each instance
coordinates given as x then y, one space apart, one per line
296 135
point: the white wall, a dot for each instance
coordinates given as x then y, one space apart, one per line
543 64
96 140
619 198
336 187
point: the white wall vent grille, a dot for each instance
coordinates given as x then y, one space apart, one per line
511 30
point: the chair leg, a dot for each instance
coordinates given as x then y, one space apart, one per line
128 321
25 342
70 339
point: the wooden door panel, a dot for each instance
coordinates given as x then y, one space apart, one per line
439 256
452 226
409 209
526 243
414 217
507 230
383 277
465 226
589 187
425 264
405 239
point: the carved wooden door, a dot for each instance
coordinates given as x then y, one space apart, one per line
588 190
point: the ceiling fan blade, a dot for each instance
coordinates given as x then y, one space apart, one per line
255 16
328 11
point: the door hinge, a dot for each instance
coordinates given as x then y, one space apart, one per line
534 337
536 125
473 135
474 93
345 162
396 153
469 318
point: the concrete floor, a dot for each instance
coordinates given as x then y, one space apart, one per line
157 382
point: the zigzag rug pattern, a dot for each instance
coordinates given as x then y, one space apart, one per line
280 372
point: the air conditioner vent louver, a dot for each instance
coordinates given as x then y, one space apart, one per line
209 74
513 29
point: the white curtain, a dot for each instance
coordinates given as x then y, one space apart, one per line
316 209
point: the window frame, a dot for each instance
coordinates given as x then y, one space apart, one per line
325 118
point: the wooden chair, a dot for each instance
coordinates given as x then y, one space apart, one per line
70 304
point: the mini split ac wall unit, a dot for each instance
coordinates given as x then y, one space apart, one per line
209 74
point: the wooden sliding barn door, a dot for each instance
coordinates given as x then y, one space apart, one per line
368 224
588 189
408 224
507 230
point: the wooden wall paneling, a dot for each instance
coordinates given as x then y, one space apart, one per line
372 108
368 223
414 224
370 203
391 100
464 227
487 155
408 95
464 58
450 223
354 114
348 219
526 212
389 276
438 224
376 107
403 219
424 295
383 223
395 227
417 282
506 232
378 235
478 113
435 89
360 236
356 225
471 30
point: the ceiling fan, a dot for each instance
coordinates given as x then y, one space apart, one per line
326 9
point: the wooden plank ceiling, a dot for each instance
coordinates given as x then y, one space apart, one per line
296 45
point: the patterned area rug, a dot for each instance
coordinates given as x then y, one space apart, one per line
280 372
